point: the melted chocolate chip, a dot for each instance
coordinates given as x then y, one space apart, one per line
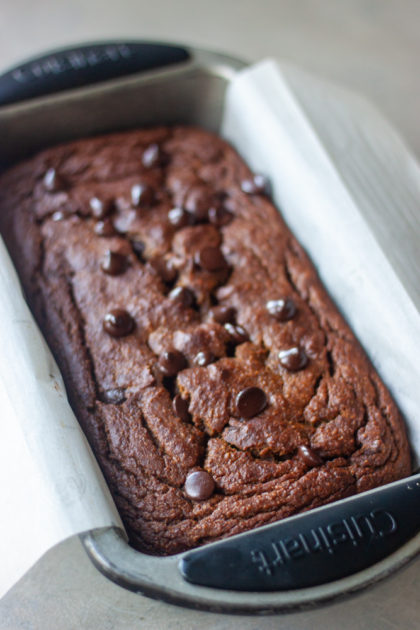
164 269
113 263
179 217
199 485
142 195
114 396
293 359
171 362
100 208
203 358
219 216
250 402
182 296
118 323
210 259
180 407
223 314
309 456
105 228
153 156
237 334
256 185
53 181
198 202
282 309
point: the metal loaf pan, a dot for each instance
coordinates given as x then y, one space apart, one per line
306 559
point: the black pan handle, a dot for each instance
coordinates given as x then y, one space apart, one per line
314 548
76 67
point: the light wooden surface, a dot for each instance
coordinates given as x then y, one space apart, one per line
370 45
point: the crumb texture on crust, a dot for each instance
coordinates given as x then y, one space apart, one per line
168 228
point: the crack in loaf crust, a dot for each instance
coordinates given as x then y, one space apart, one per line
328 427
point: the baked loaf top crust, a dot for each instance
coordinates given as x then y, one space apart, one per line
217 383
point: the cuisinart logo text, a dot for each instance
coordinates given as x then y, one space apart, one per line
71 60
326 538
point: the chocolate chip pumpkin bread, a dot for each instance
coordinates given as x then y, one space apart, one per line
217 383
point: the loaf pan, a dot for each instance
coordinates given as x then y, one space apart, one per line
303 560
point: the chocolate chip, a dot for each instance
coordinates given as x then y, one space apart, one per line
309 456
113 263
198 201
118 323
250 402
182 296
199 485
153 156
142 195
114 396
180 407
171 362
164 269
100 208
210 259
256 185
293 359
179 217
105 228
282 309
218 215
203 358
53 181
237 334
138 249
223 314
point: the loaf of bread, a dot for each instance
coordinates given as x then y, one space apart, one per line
217 383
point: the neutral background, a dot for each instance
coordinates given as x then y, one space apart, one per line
372 46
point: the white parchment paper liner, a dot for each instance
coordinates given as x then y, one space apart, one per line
51 486
350 191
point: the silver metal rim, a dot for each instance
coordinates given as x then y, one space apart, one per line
159 578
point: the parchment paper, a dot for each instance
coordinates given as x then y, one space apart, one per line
51 486
350 191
